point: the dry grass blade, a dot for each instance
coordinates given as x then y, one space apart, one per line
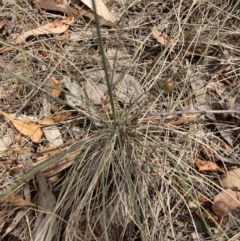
19 216
2 219
52 160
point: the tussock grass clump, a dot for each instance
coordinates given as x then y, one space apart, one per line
135 176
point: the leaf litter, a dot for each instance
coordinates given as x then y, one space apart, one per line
50 5
205 101
85 95
59 26
125 87
47 201
106 17
102 11
162 38
25 127
92 92
204 166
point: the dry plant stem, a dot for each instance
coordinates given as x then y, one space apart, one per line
206 112
109 82
52 160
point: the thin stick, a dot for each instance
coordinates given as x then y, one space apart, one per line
192 112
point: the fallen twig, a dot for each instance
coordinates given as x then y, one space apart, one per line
191 112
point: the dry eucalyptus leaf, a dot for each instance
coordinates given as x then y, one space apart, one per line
123 58
47 201
187 119
54 119
53 135
74 97
2 23
204 101
125 87
59 26
95 92
5 49
229 196
77 132
5 142
204 166
198 85
84 11
92 92
231 179
162 38
27 128
234 102
102 11
53 6
78 98
48 121
55 91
